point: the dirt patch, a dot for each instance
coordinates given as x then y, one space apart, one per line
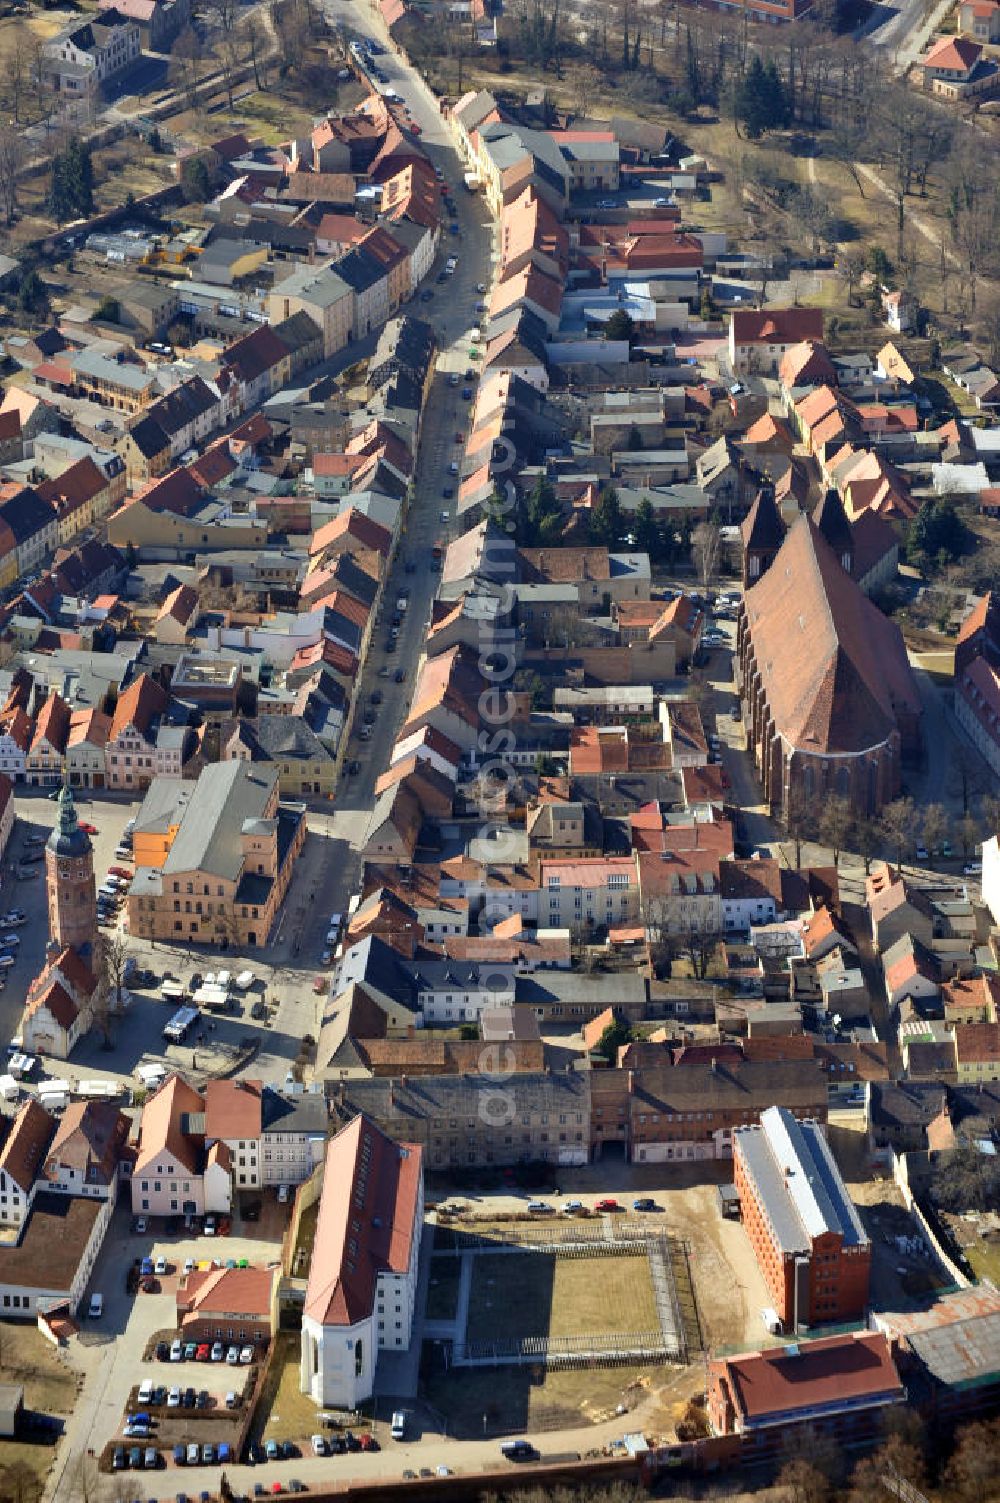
504 1401
284 1411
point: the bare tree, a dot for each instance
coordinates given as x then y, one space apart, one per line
935 826
836 821
898 821
256 43
706 545
799 818
186 65
12 155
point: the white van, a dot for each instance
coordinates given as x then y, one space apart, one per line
398 1431
96 1309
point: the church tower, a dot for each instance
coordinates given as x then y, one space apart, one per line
69 880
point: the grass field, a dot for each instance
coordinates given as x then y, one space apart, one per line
284 1412
535 1294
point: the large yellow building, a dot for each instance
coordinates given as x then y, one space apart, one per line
214 857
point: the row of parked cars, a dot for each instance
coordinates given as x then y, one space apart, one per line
203 1351
148 1458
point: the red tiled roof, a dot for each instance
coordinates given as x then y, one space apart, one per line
233 1109
137 705
777 325
366 1223
833 1369
834 668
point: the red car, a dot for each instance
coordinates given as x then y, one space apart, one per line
607 1205
203 1353
88 829
120 871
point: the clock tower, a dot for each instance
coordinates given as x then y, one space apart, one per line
69 880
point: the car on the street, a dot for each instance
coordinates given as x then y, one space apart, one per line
246 1356
400 675
190 1348
607 1203
135 1458
208 1454
573 1207
189 1268
233 1356
14 916
176 1349
972 869
160 1266
271 1450
538 1207
466 393
174 1399
203 1353
88 829
162 1351
644 1203
318 1443
922 853
518 1450
427 294
12 940
6 961
193 1453
445 516
480 286
447 492
118 1462
151 1458
187 1398
121 871
201 1402
453 379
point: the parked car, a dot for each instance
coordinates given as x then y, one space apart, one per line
193 1453
218 1351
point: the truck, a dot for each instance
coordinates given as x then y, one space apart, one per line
98 1090
173 991
150 1075
176 1030
212 998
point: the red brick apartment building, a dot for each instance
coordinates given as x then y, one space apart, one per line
806 1233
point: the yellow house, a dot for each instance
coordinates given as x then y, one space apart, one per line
977 1052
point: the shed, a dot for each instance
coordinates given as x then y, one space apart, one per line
729 1202
11 1405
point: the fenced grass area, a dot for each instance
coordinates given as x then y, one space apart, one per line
523 1294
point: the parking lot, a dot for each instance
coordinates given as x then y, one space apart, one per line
117 1352
285 971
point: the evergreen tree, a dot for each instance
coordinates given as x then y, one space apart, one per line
761 100
647 534
542 515
606 519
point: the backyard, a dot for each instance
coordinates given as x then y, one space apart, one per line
49 1388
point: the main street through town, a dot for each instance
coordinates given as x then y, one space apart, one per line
451 312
